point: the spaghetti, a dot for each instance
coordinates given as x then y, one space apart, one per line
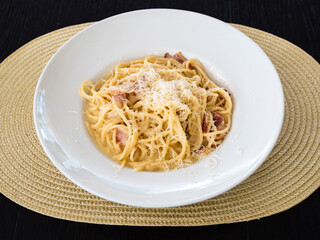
157 113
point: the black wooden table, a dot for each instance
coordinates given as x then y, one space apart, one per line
296 21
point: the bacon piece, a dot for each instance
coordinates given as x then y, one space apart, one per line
218 119
179 57
120 99
133 97
205 123
122 138
167 55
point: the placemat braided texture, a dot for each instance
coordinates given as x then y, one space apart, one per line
288 176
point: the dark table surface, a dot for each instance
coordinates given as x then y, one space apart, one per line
296 21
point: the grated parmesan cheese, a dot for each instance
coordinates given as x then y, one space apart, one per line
154 89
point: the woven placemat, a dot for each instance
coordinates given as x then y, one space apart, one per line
288 176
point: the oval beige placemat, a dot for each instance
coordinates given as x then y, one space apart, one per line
288 176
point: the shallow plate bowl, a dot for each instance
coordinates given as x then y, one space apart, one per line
229 57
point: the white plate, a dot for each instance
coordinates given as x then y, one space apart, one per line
230 58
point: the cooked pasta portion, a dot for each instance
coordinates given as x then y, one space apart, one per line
157 113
